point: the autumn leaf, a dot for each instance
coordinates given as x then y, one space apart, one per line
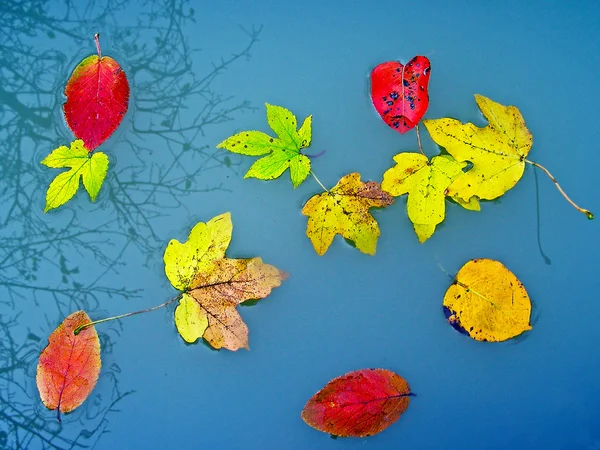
97 98
497 151
213 285
282 152
359 404
487 302
70 365
399 93
91 168
425 182
344 210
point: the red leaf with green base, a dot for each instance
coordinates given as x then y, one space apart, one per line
97 98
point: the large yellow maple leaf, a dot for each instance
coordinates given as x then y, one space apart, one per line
497 151
214 285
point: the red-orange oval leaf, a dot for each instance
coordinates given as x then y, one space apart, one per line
70 365
97 98
399 93
359 404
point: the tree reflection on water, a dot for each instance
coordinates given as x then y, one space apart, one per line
42 257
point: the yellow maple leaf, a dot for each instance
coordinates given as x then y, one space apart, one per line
214 285
344 210
488 302
425 182
497 151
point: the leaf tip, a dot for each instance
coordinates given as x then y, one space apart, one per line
283 275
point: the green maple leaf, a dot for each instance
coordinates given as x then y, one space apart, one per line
282 152
91 167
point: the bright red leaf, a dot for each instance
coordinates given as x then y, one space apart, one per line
399 93
70 365
97 98
359 404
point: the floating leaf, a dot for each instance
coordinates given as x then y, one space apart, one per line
345 210
97 98
359 404
214 285
70 365
399 93
282 152
425 182
83 164
487 302
497 151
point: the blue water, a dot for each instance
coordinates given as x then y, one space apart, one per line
199 76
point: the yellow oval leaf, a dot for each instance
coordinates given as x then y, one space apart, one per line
488 302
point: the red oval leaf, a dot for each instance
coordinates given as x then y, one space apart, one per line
358 404
70 365
97 99
399 93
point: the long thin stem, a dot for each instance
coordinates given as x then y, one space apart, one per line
564 194
85 325
318 181
419 139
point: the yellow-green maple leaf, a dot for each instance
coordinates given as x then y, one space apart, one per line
213 285
344 210
497 151
425 182
91 167
282 152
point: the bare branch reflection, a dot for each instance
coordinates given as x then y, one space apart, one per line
51 265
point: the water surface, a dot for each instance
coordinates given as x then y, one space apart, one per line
201 71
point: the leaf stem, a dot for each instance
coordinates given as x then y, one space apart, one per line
419 139
564 194
318 181
86 325
97 41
